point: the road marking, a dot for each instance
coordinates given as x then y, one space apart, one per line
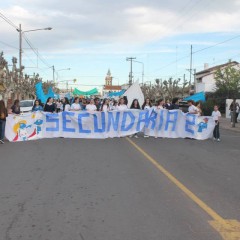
227 228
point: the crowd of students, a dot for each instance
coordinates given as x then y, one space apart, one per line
78 104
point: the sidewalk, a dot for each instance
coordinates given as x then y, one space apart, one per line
226 124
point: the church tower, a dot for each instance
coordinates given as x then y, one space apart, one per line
108 79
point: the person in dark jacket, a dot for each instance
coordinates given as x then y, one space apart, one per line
175 104
49 106
3 116
16 107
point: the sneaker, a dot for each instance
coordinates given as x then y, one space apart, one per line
214 139
1 141
156 137
218 140
131 136
136 136
146 136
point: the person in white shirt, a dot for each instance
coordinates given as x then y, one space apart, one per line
147 104
160 104
216 115
105 105
191 108
76 106
91 107
121 105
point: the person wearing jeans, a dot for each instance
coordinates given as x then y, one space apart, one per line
3 115
216 115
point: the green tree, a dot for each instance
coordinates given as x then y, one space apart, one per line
228 84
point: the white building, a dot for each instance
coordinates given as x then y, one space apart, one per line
204 80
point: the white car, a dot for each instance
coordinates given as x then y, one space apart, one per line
26 106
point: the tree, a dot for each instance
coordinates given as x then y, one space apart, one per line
228 85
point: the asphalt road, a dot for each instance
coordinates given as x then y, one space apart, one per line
74 189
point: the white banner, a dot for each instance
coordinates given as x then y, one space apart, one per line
161 123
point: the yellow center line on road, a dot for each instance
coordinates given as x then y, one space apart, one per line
227 228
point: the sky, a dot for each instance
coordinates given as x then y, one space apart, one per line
90 37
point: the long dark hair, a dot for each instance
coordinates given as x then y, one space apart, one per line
66 101
145 102
34 105
2 107
16 103
48 99
158 102
133 105
104 101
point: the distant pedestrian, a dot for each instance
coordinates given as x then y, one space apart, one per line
16 107
3 116
49 106
237 111
216 116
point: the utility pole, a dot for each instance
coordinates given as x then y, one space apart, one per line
53 68
190 70
20 48
130 74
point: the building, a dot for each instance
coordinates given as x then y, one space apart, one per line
204 80
108 87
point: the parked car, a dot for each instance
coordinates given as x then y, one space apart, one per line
26 105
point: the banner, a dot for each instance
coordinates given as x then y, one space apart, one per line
83 124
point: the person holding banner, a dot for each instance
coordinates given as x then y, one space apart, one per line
147 104
76 105
191 108
121 105
135 105
66 105
3 116
160 104
16 107
91 107
49 106
105 105
37 106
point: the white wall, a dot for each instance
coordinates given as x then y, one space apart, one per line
228 103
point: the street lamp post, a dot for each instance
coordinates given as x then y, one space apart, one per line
21 32
142 70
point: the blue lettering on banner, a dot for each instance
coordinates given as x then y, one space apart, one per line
161 113
127 128
96 128
113 122
65 121
142 120
190 121
151 119
52 118
80 117
173 121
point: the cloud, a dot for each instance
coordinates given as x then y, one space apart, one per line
117 24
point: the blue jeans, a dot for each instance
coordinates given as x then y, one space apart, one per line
2 129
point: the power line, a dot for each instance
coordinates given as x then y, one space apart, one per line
200 50
8 21
8 45
36 52
203 49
